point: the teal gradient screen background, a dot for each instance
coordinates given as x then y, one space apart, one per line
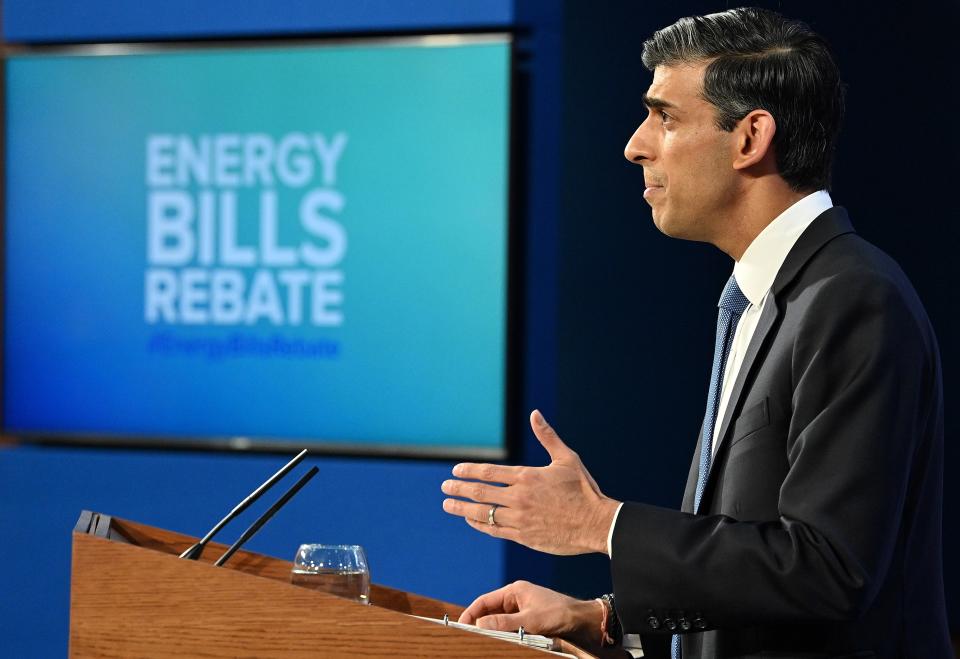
418 355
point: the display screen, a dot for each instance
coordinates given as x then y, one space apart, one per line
279 244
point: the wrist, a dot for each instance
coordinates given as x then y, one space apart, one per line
587 621
606 510
611 633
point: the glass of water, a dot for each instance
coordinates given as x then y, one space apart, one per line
340 570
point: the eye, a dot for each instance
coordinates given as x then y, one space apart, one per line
665 118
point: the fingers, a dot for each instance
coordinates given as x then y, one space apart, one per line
497 601
485 496
502 622
520 604
498 531
480 512
547 436
475 511
487 472
480 492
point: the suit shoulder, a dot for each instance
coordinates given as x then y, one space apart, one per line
851 278
851 256
851 269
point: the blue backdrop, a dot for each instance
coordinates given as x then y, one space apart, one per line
120 20
391 507
590 359
250 167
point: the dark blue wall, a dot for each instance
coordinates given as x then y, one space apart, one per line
119 20
637 310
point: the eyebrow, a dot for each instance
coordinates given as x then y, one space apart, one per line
653 102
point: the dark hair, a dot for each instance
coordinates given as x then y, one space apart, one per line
760 60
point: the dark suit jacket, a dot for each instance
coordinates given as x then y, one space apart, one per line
819 532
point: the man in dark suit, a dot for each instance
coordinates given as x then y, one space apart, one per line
810 526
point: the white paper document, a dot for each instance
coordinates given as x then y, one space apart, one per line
532 640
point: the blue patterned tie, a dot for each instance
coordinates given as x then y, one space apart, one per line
732 303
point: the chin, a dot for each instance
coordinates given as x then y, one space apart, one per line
662 222
671 227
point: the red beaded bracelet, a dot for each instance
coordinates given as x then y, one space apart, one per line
605 639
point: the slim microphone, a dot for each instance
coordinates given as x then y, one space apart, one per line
266 516
194 552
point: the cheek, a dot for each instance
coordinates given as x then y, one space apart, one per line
689 176
698 171
710 175
685 158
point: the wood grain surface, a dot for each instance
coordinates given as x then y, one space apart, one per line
134 597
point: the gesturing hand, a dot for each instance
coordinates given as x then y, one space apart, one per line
556 509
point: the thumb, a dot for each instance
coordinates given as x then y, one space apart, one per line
501 622
547 436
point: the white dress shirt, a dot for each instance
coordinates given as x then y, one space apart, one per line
755 272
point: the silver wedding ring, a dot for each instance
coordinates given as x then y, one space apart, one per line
491 520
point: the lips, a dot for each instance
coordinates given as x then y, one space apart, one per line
652 189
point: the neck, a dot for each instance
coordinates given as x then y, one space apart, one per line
760 204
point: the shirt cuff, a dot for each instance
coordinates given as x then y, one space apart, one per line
633 646
613 523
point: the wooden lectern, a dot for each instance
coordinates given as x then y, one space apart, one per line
132 596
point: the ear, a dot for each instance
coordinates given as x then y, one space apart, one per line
753 138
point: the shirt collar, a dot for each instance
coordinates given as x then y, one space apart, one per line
758 267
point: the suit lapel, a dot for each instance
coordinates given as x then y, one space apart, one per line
767 320
828 225
689 492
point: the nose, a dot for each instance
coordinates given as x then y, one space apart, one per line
638 148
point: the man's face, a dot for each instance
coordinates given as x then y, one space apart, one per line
687 161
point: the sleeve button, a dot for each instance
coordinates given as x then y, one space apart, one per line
654 622
685 624
700 623
669 624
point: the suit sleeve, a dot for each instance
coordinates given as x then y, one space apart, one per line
862 372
